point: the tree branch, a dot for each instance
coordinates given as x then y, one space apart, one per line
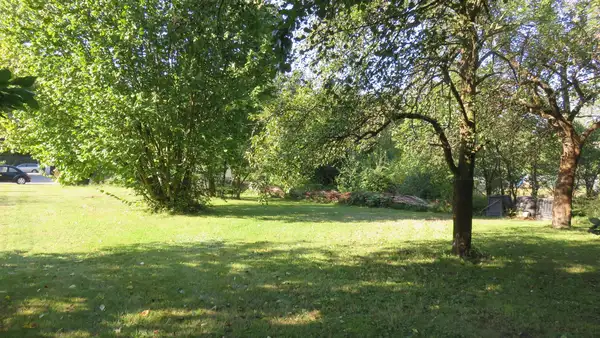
445 144
455 93
583 99
589 132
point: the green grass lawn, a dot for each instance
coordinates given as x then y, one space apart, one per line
77 263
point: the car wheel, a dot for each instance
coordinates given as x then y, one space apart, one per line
34 171
21 180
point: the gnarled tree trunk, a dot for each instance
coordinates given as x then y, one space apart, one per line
563 189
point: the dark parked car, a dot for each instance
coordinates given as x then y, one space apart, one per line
8 173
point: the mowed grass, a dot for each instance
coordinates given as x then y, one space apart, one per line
77 263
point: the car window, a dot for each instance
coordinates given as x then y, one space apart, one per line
3 169
12 170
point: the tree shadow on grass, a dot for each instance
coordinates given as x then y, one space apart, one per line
293 212
536 287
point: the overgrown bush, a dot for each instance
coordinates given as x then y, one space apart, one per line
426 185
587 207
299 193
369 199
480 202
370 179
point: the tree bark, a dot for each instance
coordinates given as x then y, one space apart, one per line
563 189
535 185
462 214
212 186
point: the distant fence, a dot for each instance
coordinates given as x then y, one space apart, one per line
542 208
500 205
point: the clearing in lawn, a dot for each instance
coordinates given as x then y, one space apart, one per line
75 262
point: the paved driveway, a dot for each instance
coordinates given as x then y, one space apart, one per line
37 179
40 179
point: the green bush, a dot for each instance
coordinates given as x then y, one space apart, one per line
378 200
586 207
299 193
367 179
426 185
480 202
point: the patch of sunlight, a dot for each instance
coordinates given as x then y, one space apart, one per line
77 333
417 260
36 306
303 318
528 261
191 264
387 283
493 287
579 268
238 267
30 310
150 315
347 289
495 264
269 287
314 257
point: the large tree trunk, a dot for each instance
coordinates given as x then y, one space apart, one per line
535 185
463 189
563 189
462 214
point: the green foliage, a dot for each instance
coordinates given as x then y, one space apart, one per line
589 164
157 92
425 185
588 207
15 93
480 202
369 199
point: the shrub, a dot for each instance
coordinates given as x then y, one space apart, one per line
588 207
480 202
369 179
379 200
426 185
323 196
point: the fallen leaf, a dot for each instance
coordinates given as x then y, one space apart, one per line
145 313
102 307
72 286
